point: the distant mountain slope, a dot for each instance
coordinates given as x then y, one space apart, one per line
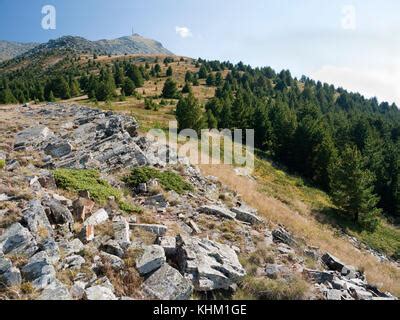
9 49
129 45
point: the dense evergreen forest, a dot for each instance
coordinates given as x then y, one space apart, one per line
340 141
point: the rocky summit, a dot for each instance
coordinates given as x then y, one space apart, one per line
91 210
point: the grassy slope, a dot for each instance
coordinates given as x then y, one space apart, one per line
282 198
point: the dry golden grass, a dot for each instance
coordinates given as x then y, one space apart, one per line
384 275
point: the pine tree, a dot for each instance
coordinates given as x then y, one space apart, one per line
187 88
7 97
203 72
170 90
210 81
128 87
51 97
188 76
133 72
157 69
211 120
352 188
169 72
189 114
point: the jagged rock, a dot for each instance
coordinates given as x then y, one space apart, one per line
312 253
268 238
55 291
35 218
167 284
96 218
274 270
284 249
59 214
334 294
281 235
11 278
99 292
332 262
39 270
218 211
51 247
153 257
209 265
361 294
116 262
245 214
63 200
58 149
338 283
87 233
73 262
18 240
82 207
5 264
157 200
349 272
319 276
112 247
121 231
32 136
12 164
46 180
168 244
194 226
71 247
157 229
78 290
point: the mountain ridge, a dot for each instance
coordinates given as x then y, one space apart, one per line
134 44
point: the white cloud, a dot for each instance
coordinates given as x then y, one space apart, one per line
183 32
381 83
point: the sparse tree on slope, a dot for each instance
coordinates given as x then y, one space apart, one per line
352 188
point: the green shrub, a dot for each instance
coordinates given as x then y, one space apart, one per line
89 180
2 163
169 180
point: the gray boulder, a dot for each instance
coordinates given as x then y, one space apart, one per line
5 264
35 219
319 276
39 270
167 284
99 217
217 211
113 247
209 265
332 262
73 262
282 235
11 278
100 292
152 258
71 247
245 214
116 262
33 136
58 213
55 291
168 244
58 149
18 240
121 231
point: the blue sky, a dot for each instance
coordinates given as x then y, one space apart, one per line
354 44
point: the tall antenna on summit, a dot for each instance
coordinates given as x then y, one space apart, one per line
132 31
